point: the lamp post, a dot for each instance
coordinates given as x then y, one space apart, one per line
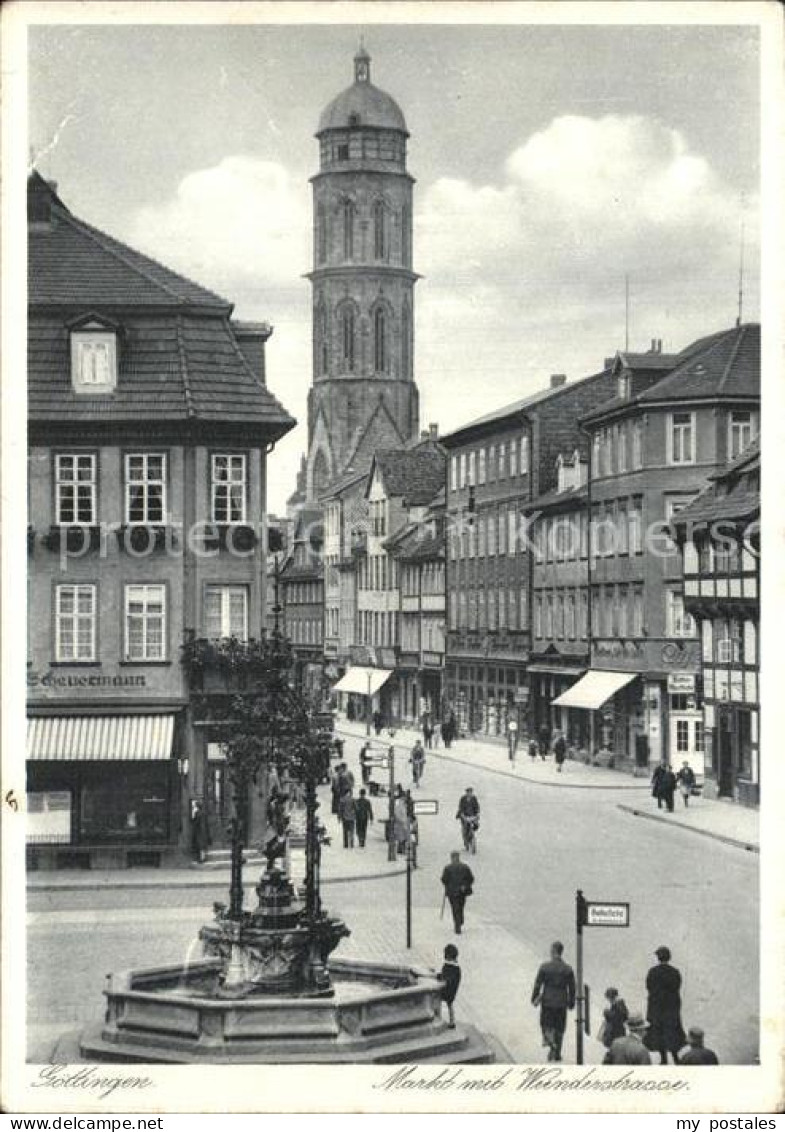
391 847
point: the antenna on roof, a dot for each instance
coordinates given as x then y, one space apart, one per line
741 264
626 313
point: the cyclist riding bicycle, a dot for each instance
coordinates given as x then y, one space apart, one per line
469 817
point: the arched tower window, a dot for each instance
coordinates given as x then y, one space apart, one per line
320 474
406 236
322 340
379 232
381 358
321 233
348 230
406 342
348 325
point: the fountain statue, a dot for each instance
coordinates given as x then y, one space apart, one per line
266 988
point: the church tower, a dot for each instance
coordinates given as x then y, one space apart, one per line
363 395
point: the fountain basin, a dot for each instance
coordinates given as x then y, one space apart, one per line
378 1013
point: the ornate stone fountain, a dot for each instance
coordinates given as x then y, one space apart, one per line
266 988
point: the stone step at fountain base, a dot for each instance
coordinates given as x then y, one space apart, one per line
379 1014
222 859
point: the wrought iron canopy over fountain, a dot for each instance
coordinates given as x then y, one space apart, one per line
266 989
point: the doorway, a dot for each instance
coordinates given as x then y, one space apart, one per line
725 757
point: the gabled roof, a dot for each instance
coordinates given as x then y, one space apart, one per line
178 358
559 499
646 361
416 542
729 497
72 263
413 474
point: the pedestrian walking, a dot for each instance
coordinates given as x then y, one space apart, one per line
378 721
629 1049
560 750
698 1054
417 760
345 780
363 814
554 993
427 732
347 814
200 834
685 780
450 978
663 984
663 785
545 740
365 764
335 790
614 1017
446 736
400 820
533 749
512 738
458 881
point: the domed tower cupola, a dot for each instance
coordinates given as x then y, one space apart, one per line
363 283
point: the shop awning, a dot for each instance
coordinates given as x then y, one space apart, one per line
357 680
594 689
63 738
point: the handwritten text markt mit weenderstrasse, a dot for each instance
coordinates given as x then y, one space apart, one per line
555 1078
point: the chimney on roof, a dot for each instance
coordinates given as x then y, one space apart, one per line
656 346
433 431
558 379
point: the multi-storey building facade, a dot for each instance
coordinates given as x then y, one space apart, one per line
149 422
363 397
559 535
497 465
302 598
419 550
719 533
345 540
672 423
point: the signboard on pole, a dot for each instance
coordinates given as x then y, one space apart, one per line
606 915
681 682
425 806
381 761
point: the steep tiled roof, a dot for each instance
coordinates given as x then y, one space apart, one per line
177 355
727 366
416 542
557 499
414 474
731 495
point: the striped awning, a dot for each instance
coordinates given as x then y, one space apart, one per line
61 738
363 681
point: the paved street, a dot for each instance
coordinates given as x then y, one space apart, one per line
536 846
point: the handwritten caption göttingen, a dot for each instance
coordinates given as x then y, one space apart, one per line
554 1078
89 1079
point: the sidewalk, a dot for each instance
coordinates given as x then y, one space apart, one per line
492 756
724 821
338 865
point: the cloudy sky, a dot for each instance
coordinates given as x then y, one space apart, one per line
550 162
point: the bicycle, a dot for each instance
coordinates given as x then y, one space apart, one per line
469 827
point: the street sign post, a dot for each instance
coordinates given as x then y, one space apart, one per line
428 806
591 914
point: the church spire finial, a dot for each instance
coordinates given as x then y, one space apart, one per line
362 64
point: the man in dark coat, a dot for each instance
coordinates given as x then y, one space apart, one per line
363 813
457 879
347 813
629 1048
560 750
554 993
663 984
200 836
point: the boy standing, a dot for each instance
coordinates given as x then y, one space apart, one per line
450 976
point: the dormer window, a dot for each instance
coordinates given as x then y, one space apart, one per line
93 358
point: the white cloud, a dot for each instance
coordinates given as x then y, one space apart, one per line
524 275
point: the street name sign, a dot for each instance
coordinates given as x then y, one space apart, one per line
426 806
606 915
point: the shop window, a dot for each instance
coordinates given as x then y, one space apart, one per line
228 489
75 622
145 488
76 489
145 622
48 817
125 803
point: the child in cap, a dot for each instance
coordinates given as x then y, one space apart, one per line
450 976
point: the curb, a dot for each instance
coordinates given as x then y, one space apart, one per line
563 784
168 886
748 845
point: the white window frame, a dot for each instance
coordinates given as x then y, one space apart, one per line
145 483
76 617
147 593
226 592
524 462
737 430
471 475
677 432
636 454
462 471
481 467
501 470
234 460
679 622
74 481
88 374
453 473
513 458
